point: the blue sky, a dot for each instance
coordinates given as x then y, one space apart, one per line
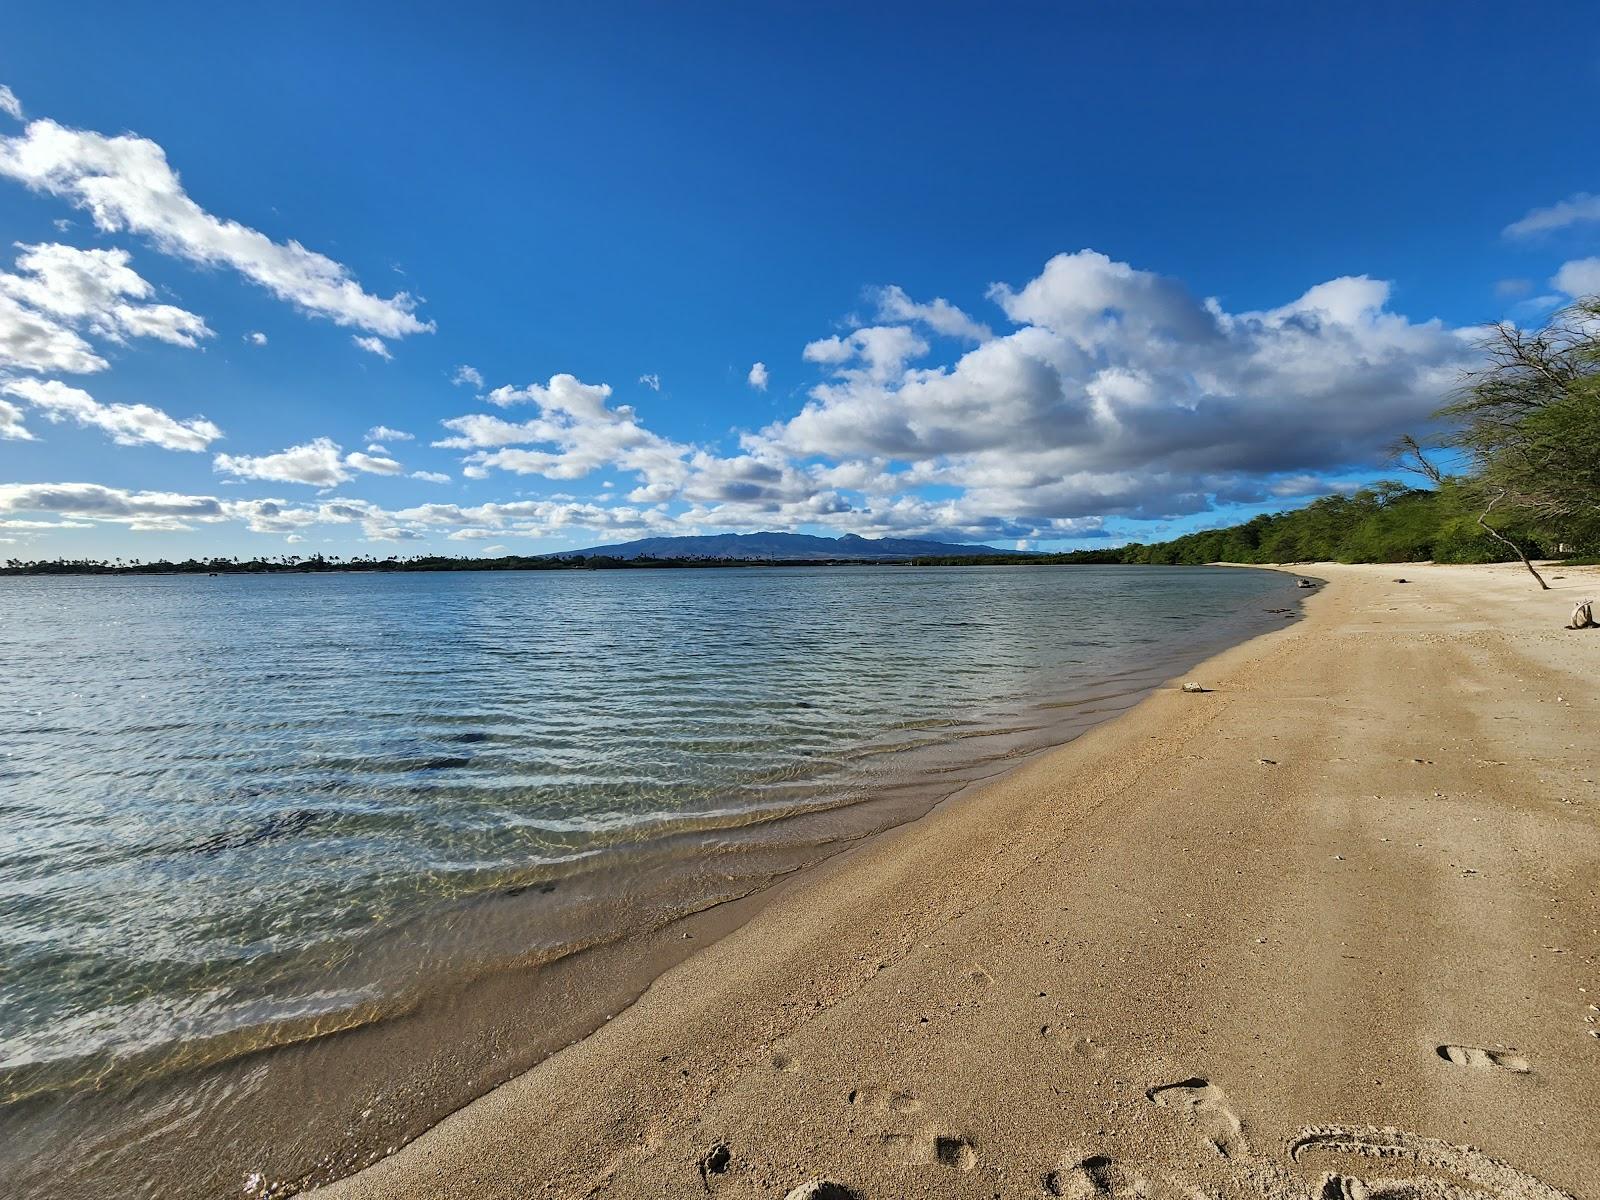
1038 274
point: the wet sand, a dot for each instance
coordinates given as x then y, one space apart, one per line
1327 925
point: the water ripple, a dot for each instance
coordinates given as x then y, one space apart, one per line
218 790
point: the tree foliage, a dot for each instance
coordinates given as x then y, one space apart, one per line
1528 424
1389 522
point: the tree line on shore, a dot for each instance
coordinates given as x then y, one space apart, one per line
1520 440
316 564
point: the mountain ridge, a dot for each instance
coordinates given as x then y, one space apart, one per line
789 546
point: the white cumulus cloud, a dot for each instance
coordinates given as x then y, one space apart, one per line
1580 277
576 432
59 292
758 376
877 352
466 376
373 345
316 462
1118 392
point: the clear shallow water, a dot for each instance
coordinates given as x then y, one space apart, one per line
239 813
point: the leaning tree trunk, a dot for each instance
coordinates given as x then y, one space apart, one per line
1483 520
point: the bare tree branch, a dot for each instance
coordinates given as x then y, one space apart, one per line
1483 520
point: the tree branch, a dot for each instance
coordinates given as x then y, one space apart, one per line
1483 519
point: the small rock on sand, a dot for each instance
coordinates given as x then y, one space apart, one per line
1193 687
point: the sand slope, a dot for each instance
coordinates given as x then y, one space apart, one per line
1328 923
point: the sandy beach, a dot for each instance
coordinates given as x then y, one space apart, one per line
1329 925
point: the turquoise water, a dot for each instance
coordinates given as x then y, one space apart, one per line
241 812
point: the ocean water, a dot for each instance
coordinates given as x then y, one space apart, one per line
240 815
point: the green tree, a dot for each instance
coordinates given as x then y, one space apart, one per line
1528 424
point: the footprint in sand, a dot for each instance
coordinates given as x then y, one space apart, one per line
1083 1046
950 1151
1207 1109
1087 1048
1477 1056
1097 1176
821 1189
715 1161
929 1147
1487 1176
1471 1174
885 1100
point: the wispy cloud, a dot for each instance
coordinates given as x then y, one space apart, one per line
125 183
128 424
1574 210
136 509
12 427
373 464
938 314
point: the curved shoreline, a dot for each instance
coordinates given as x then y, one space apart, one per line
964 1004
459 1034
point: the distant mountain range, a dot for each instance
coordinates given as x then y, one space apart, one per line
785 546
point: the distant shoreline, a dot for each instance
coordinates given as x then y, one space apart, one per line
319 566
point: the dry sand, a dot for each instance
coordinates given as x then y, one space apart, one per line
1331 922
